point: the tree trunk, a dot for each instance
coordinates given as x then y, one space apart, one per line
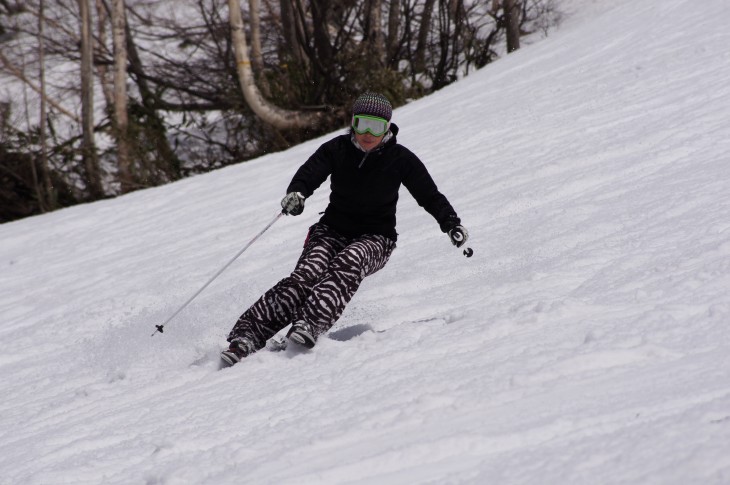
167 161
375 31
393 33
277 117
419 64
257 57
44 188
323 56
102 70
289 25
121 115
93 178
512 24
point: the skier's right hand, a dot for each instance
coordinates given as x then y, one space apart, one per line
293 204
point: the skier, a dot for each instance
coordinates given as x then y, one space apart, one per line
354 238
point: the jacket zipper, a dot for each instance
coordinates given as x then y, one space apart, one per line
363 160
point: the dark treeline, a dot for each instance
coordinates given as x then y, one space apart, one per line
103 97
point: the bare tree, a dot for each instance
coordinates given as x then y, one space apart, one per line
93 177
291 33
16 72
121 115
257 58
46 200
103 15
376 40
277 117
419 63
392 40
512 11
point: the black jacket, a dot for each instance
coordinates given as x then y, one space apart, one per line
365 186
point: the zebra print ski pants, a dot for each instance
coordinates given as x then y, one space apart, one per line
327 275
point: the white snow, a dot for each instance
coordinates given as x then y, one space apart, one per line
584 343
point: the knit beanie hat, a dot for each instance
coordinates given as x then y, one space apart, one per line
373 104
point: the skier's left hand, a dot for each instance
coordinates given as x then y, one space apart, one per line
458 235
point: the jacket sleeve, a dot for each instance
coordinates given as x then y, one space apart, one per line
314 171
422 187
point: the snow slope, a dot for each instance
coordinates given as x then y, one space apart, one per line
584 343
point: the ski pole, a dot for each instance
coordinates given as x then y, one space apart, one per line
160 328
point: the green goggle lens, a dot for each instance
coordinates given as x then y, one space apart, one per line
369 124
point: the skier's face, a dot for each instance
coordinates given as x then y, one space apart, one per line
368 141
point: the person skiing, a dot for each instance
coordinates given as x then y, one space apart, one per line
353 239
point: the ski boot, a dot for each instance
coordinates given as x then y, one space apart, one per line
239 349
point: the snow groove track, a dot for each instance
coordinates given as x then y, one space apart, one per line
584 343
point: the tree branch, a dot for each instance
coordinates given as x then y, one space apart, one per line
19 74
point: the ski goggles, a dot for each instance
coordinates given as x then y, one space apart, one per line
369 124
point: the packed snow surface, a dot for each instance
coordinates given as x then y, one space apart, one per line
585 342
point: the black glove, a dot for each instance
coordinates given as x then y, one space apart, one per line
458 235
293 204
